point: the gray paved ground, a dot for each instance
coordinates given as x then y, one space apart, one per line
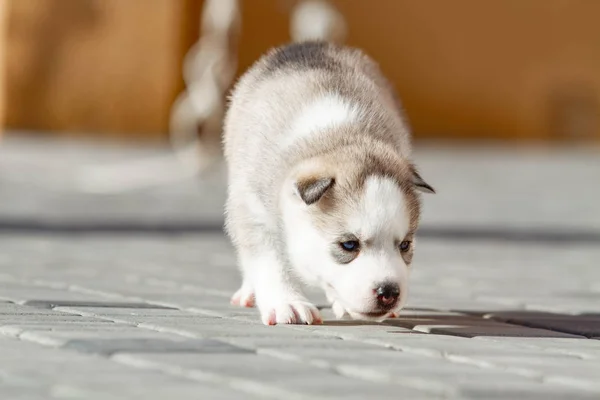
124 294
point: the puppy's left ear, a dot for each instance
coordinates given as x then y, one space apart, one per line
419 182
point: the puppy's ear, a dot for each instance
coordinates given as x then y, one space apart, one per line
311 189
419 182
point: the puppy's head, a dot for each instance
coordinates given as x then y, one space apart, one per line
350 228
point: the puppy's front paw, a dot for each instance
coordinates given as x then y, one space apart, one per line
244 297
290 312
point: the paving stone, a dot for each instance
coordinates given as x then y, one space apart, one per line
7 309
341 387
440 344
161 389
52 321
491 330
64 337
22 393
150 345
309 342
177 300
126 312
245 314
582 380
22 295
546 342
456 280
18 329
224 328
104 304
149 316
525 392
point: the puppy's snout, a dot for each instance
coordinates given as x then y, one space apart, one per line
387 295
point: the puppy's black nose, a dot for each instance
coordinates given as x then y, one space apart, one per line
387 295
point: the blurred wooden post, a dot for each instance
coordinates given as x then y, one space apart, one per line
3 7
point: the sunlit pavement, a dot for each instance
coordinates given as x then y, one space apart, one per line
115 280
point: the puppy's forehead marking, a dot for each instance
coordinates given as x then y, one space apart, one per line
322 113
382 211
305 55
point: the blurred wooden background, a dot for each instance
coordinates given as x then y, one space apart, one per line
3 41
466 69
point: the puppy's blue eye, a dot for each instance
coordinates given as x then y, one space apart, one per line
350 245
404 246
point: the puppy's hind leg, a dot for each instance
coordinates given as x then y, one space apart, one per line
244 296
236 229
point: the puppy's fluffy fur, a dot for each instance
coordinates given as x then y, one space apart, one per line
321 186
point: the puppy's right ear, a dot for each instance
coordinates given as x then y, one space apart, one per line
311 189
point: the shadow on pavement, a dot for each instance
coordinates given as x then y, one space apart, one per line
523 324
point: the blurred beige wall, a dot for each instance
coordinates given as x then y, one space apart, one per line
466 69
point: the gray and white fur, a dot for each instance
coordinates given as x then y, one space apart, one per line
322 190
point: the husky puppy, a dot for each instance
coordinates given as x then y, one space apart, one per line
321 186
